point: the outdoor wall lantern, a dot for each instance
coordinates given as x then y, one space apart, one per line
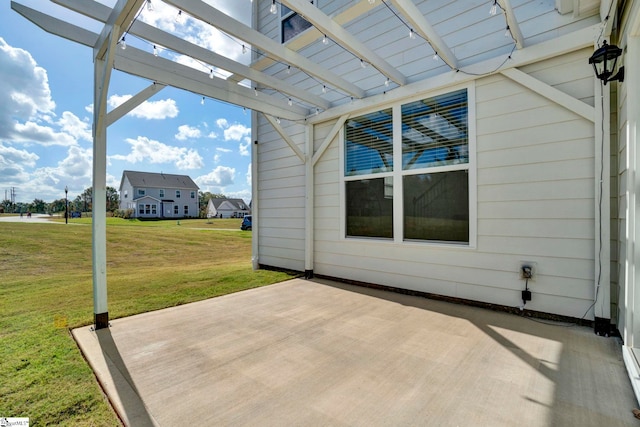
604 63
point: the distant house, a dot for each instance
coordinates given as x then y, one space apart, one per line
227 208
159 195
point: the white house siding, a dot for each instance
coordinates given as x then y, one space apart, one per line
535 173
127 202
281 198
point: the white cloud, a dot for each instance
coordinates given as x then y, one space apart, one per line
249 175
223 150
222 123
144 149
220 177
212 135
150 110
24 89
187 132
72 125
216 158
44 183
244 147
9 155
13 164
31 132
236 132
191 160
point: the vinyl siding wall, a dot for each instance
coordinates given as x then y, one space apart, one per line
281 197
535 189
535 167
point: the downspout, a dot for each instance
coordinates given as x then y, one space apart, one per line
255 199
308 203
602 217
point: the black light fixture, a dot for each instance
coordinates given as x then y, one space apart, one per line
604 63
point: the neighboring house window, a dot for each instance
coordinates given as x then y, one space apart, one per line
141 192
292 24
141 209
177 194
161 192
176 211
125 194
430 167
186 209
147 209
154 209
193 194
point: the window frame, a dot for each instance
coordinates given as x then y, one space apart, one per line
141 192
288 15
161 192
178 193
399 173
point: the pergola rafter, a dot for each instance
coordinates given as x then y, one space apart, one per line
223 22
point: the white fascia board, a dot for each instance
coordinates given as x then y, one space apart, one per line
341 36
513 24
146 65
420 24
225 23
169 41
56 26
549 49
122 15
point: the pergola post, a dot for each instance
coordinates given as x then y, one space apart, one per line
99 211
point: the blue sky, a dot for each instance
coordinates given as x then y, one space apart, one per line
46 101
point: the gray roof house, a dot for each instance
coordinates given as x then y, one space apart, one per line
227 208
159 195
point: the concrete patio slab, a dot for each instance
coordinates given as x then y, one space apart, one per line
303 353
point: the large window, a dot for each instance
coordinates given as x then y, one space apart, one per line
431 188
292 24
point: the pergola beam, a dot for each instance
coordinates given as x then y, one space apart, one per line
154 35
513 24
341 36
146 65
131 103
311 34
225 23
56 26
420 24
122 15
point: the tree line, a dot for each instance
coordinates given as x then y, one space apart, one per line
84 203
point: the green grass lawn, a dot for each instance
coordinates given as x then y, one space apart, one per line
46 289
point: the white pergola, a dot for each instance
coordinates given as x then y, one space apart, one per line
356 92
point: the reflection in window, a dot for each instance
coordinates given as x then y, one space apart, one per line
436 206
369 143
434 131
370 207
292 23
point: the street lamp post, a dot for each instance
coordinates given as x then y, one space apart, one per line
66 205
